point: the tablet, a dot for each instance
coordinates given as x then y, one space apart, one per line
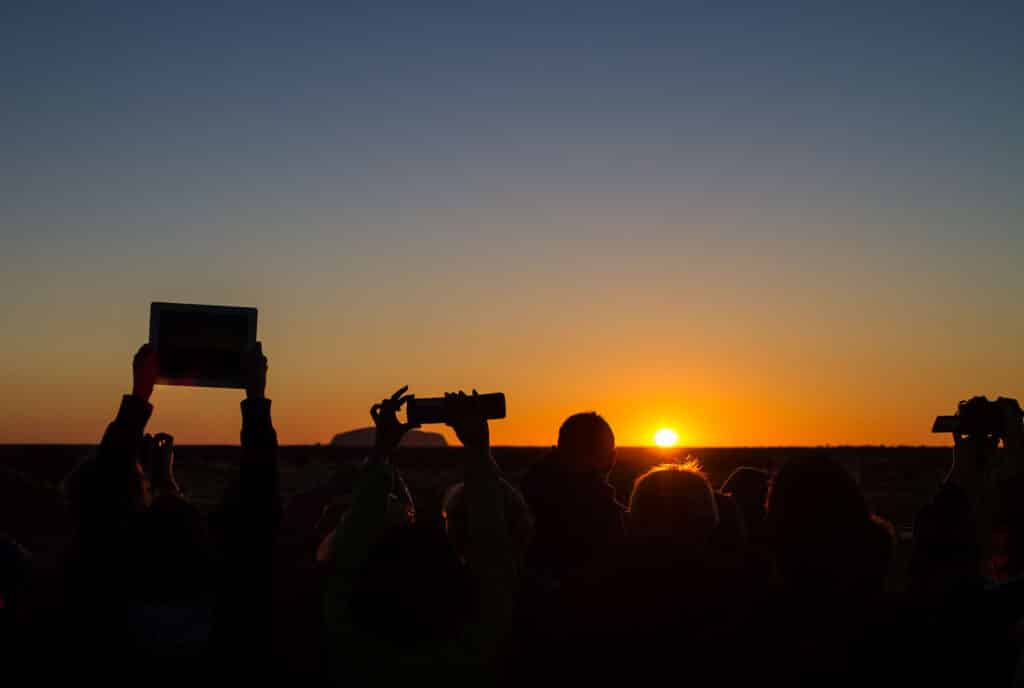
201 346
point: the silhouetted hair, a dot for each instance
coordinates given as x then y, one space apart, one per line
518 518
673 501
586 442
399 513
92 493
749 487
823 532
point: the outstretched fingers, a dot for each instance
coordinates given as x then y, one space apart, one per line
391 405
396 400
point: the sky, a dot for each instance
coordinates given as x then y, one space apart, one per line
756 223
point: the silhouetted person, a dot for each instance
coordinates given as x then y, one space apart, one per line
661 595
832 557
749 487
129 531
576 512
972 622
244 529
673 505
680 530
518 518
953 542
822 528
142 574
730 541
398 591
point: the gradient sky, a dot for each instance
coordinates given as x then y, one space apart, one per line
758 223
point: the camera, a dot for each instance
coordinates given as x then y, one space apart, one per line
436 409
978 417
151 445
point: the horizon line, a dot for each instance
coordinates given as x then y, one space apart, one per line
532 446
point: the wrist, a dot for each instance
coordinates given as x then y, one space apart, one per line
256 388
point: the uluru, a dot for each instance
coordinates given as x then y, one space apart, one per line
364 437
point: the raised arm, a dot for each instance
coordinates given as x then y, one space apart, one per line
366 519
247 523
490 552
953 534
260 479
112 484
252 504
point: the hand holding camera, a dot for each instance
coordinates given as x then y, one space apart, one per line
468 417
390 430
979 417
977 427
443 409
979 465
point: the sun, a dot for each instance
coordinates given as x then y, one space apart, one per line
666 437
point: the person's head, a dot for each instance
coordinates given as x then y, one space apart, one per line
413 590
673 502
399 512
586 443
93 493
518 518
822 528
749 488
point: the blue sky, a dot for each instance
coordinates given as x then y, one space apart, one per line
825 159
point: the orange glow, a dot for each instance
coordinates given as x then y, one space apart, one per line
812 375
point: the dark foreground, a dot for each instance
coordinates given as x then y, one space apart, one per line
893 639
898 481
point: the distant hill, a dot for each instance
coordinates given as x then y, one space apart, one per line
364 437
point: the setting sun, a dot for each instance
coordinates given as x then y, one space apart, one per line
666 437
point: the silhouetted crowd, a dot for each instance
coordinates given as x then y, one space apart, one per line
771 579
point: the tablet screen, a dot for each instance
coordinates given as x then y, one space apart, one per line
201 345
